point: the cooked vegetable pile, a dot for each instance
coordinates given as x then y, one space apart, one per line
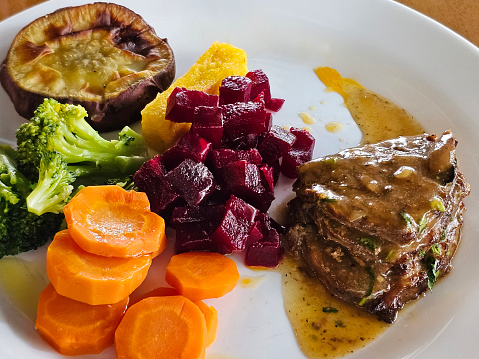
55 149
20 230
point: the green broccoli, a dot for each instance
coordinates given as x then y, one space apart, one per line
20 230
57 146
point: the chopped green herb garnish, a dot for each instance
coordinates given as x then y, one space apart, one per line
436 203
436 250
331 160
422 224
369 243
371 286
443 234
330 310
389 256
327 200
422 253
407 217
432 272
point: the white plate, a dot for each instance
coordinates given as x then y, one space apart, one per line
417 63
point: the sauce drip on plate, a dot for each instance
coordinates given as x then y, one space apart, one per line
378 118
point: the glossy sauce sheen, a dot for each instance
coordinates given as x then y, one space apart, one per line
326 327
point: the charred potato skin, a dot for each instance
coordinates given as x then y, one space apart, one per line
126 31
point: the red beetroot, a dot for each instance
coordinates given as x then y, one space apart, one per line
224 156
267 250
300 152
246 180
261 85
150 178
235 89
232 233
181 104
243 118
275 143
190 146
208 217
194 239
192 180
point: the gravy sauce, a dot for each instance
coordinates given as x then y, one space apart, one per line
326 327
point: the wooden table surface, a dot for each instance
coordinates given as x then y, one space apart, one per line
459 15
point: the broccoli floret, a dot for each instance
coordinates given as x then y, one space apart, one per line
57 146
20 230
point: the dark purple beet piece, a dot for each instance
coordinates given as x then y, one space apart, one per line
192 180
254 235
304 140
301 152
208 116
150 178
243 118
275 143
267 251
194 239
246 180
190 146
208 124
235 89
261 85
232 233
208 217
267 176
181 104
224 156
245 142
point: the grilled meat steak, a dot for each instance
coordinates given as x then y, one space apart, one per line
378 224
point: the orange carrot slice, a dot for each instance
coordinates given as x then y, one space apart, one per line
76 328
113 222
90 278
211 318
162 327
201 275
157 292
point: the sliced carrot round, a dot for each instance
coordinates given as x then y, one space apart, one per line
113 222
162 327
76 328
90 278
211 318
202 275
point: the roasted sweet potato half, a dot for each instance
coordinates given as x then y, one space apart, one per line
102 56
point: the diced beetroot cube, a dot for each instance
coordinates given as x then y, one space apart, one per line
275 104
266 252
292 160
224 156
242 118
254 235
268 176
150 178
301 152
261 85
208 217
181 104
275 143
190 146
245 142
208 116
246 180
231 234
193 239
212 134
235 89
192 180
